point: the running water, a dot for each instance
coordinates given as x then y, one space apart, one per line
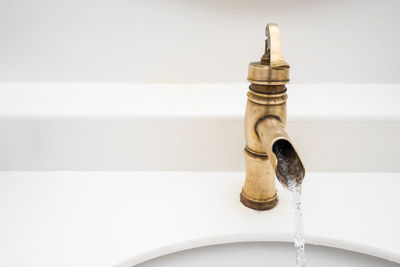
290 172
299 241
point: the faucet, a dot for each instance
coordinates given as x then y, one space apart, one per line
269 152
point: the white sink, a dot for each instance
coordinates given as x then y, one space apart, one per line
107 219
264 254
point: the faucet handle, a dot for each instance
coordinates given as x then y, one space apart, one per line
272 69
273 51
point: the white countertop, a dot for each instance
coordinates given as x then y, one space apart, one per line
117 218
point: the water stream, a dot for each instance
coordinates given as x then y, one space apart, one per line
294 192
290 172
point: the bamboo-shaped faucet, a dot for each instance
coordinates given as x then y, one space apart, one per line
269 152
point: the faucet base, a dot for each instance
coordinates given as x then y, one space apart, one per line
258 191
259 205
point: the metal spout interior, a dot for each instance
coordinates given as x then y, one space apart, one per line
289 168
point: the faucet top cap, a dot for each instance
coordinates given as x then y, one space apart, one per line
272 69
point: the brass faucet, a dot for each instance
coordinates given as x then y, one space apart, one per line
269 152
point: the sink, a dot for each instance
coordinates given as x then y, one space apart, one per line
264 254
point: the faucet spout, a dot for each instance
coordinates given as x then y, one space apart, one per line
283 157
269 151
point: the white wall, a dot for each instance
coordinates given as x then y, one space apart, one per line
194 40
